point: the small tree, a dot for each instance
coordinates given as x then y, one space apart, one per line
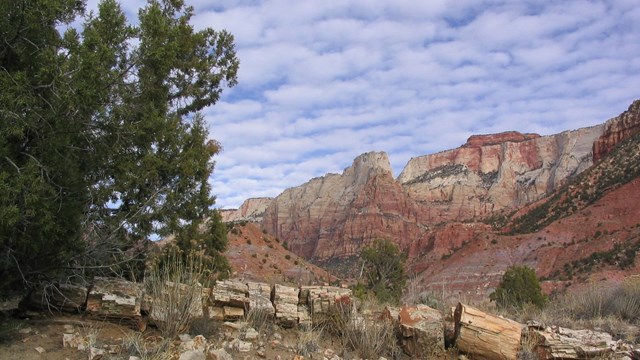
384 268
519 286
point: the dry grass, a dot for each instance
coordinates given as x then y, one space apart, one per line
366 336
261 320
174 285
137 345
308 341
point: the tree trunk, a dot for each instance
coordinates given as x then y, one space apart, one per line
486 336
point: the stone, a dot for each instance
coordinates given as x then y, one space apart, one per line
40 350
197 343
251 210
259 295
241 346
215 313
96 353
251 334
285 302
192 355
74 340
218 354
61 297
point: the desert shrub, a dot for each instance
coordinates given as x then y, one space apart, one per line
384 268
519 286
174 283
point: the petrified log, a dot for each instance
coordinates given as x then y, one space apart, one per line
567 344
230 293
61 297
486 336
116 300
422 330
259 295
323 299
285 301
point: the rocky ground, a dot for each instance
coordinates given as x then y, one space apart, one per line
74 337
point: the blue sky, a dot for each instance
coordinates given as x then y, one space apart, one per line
321 82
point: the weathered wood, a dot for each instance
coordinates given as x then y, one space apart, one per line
230 293
421 329
61 297
486 336
259 295
285 301
323 299
567 344
116 300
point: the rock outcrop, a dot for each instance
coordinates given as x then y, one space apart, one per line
616 130
495 172
251 210
335 215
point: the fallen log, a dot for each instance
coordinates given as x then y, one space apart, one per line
486 336
567 344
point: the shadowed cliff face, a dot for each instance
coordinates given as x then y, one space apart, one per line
334 216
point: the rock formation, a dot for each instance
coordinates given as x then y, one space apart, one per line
617 130
251 210
494 172
335 215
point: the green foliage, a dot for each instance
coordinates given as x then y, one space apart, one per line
101 142
384 268
519 286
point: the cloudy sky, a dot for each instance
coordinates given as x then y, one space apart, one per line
323 81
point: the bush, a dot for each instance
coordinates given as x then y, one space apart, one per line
384 268
519 286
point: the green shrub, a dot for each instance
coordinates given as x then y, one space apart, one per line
384 268
519 286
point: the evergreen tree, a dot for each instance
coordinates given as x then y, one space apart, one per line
519 286
384 267
101 142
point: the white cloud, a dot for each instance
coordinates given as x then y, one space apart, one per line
321 82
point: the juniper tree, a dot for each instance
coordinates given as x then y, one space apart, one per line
101 137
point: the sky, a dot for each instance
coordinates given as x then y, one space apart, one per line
323 81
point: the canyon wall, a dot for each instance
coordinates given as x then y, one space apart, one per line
335 215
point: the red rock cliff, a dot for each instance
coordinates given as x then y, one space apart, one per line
617 130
